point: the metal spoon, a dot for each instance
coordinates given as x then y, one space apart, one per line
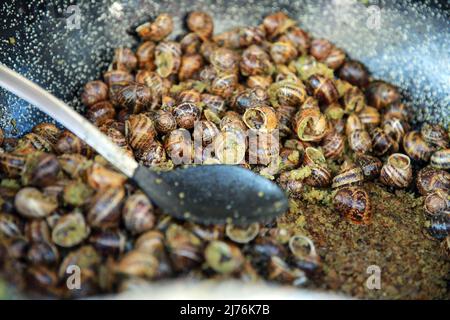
205 194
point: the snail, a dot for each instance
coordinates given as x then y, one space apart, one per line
157 30
94 92
353 203
397 172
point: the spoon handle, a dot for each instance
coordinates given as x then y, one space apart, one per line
69 118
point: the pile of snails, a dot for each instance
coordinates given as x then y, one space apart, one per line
63 205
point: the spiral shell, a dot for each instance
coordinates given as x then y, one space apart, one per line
153 154
41 169
320 177
325 90
436 202
380 94
93 92
185 248
167 58
178 146
119 77
140 131
333 145
349 176
354 100
109 242
370 166
124 59
299 38
353 203
249 98
224 85
397 172
276 24
304 251
430 179
100 113
293 187
359 141
191 64
260 118
242 235
70 230
441 159
104 208
287 92
135 97
259 81
370 117
382 143
164 121
48 131
99 177
396 128
416 147
282 52
440 225
205 132
145 55
10 226
397 110
310 125
355 73
138 213
255 61
186 114
31 203
224 258
435 135
11 164
201 23
157 30
353 123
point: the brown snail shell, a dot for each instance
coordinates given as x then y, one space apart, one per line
164 121
371 166
201 23
205 132
353 123
360 141
157 30
104 208
397 110
191 64
335 58
382 143
350 176
93 92
276 24
313 156
109 242
12 165
260 118
430 179
178 145
441 159
100 113
69 143
355 73
320 49
31 203
320 177
186 114
353 203
416 147
99 177
41 169
135 97
224 85
152 155
185 248
70 230
124 59
138 213
370 117
294 187
397 172
333 145
43 253
380 94
435 135
439 225
280 271
190 43
48 131
282 52
287 92
310 125
298 37
167 58
324 89
145 55
140 131
354 100
249 98
10 226
396 128
259 81
224 60
436 202
74 165
120 77
137 263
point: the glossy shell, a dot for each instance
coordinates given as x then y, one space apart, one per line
353 203
397 172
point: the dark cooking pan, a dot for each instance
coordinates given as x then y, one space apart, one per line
63 44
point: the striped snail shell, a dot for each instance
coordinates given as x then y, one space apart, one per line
371 166
382 143
354 204
396 128
397 172
333 145
359 141
351 175
435 135
416 147
370 117
437 201
139 131
430 179
320 176
261 118
441 159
